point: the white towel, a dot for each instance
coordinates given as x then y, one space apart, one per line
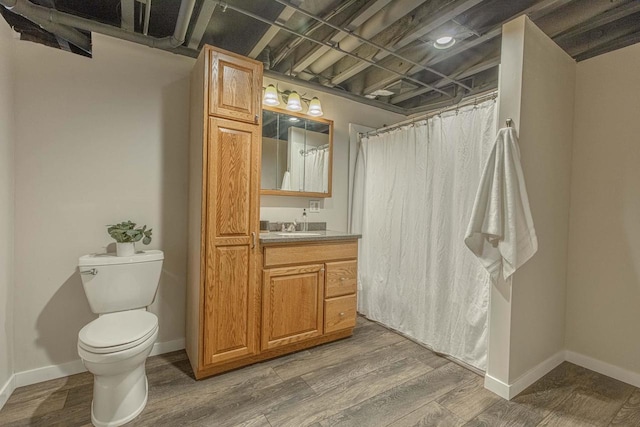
286 181
501 232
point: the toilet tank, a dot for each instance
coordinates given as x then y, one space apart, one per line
114 283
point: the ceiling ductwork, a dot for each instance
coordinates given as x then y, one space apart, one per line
64 25
25 9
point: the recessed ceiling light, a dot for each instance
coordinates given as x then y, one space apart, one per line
379 92
444 42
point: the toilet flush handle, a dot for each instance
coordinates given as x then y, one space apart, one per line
92 272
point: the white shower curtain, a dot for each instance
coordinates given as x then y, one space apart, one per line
316 170
413 194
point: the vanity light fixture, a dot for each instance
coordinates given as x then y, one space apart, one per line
271 96
294 103
315 108
444 42
293 100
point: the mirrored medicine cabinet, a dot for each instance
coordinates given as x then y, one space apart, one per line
297 154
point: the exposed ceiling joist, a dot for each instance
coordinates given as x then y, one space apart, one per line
202 22
438 17
371 43
575 13
606 18
377 23
333 48
465 71
612 45
271 32
317 52
602 36
127 12
379 79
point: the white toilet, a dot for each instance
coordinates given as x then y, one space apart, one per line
115 346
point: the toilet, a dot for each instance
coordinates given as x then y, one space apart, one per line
115 346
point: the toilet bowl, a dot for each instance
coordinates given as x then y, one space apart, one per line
114 347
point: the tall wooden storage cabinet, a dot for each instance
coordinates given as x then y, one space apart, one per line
223 293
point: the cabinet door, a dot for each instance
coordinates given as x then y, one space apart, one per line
292 304
235 87
231 307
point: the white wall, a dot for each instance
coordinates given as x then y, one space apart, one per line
6 208
98 141
527 319
342 112
603 310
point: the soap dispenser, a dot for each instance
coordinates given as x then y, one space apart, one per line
304 220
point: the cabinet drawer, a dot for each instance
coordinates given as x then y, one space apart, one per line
340 313
309 253
341 278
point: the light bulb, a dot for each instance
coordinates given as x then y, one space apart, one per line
294 104
271 96
315 108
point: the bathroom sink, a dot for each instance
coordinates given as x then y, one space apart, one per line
298 234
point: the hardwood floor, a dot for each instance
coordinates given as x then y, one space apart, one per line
375 378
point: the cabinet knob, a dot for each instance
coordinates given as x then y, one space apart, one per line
342 279
341 314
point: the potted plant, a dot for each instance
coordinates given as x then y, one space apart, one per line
126 234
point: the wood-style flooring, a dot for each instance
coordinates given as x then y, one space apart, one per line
375 378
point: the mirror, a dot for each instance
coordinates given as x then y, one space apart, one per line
297 154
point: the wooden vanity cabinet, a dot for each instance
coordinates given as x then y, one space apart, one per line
247 303
304 272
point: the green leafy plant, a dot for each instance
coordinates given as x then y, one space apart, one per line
126 232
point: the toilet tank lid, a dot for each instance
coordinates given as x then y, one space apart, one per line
111 258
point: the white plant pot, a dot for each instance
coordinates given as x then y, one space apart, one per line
125 249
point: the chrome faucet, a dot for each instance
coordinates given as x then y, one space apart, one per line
289 228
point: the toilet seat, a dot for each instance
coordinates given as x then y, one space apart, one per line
116 332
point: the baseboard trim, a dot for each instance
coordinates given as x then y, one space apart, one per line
496 386
535 373
509 391
167 347
7 389
46 373
52 372
604 368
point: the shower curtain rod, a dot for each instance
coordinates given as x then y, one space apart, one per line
314 149
471 101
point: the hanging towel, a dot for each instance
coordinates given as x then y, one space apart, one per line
286 181
501 232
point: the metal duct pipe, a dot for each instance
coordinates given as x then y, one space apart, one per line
39 14
70 34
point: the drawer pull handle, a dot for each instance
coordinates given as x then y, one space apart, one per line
342 279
